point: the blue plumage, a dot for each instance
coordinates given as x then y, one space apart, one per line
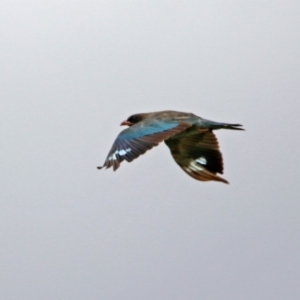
193 145
147 127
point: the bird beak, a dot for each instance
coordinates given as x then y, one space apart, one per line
127 123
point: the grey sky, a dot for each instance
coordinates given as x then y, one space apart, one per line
71 71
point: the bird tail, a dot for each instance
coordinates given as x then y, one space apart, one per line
216 125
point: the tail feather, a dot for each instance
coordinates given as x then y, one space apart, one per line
232 126
216 125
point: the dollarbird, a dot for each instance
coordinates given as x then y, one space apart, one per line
190 138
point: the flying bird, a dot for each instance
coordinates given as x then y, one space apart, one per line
190 138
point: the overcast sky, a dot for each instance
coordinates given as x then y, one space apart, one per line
71 71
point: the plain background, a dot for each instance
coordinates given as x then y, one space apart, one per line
71 71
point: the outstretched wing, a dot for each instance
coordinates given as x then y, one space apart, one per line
197 152
137 139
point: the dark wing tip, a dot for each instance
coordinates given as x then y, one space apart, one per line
201 173
99 168
225 181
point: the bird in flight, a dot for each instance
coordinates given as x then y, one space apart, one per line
190 138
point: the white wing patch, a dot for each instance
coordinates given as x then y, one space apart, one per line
119 152
123 152
201 160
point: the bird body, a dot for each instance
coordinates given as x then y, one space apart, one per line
190 138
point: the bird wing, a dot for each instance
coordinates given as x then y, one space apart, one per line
197 152
139 138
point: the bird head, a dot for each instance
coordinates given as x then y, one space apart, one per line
134 119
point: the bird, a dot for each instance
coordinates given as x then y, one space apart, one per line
190 138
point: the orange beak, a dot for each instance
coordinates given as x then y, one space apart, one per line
127 123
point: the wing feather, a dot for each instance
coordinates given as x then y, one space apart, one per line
197 152
139 138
